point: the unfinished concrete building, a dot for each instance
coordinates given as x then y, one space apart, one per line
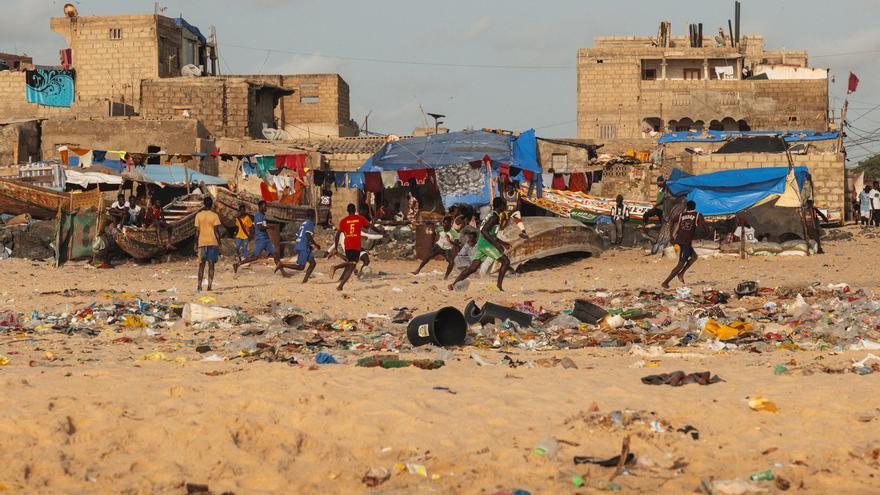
113 54
632 87
227 106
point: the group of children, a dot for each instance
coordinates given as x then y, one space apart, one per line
256 229
479 245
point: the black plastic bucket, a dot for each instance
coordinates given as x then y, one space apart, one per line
444 327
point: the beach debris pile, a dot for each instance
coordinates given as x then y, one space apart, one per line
648 324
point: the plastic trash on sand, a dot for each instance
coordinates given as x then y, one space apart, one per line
547 447
758 403
799 307
325 358
193 313
727 332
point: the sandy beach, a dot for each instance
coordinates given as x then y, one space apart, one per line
104 413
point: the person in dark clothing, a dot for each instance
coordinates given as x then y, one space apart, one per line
813 216
683 235
619 213
657 209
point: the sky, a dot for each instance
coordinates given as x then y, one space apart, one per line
489 63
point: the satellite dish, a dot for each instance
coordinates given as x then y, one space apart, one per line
70 10
191 70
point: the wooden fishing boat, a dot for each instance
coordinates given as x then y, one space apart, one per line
145 242
18 197
226 205
549 236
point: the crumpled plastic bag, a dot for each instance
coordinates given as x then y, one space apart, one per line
727 332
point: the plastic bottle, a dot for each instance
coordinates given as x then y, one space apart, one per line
547 447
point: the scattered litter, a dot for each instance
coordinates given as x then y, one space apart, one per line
758 403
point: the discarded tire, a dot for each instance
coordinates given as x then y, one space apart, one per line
444 327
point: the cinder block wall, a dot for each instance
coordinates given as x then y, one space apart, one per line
227 106
13 100
113 68
827 170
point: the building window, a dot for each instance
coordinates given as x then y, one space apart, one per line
116 33
693 74
309 93
681 99
559 162
608 131
650 75
792 119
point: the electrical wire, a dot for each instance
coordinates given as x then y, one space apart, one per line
405 62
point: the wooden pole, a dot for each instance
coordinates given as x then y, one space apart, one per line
186 174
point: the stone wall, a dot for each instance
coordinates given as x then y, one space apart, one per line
553 155
827 170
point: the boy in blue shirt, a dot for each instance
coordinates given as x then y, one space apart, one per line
304 247
262 243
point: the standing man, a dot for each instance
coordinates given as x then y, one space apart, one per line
350 229
875 203
619 214
208 229
683 235
489 245
244 228
814 214
865 206
445 239
262 243
511 197
305 246
657 209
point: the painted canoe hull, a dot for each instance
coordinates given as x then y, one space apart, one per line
17 198
226 205
143 243
549 236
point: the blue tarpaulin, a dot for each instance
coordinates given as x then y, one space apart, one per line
172 175
454 148
731 191
180 21
719 136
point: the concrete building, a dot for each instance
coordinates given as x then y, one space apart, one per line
113 54
227 106
630 88
317 106
11 61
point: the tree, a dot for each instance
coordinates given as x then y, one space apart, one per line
870 166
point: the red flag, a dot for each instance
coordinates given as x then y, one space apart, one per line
853 83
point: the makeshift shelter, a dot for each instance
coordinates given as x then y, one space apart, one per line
461 161
770 199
